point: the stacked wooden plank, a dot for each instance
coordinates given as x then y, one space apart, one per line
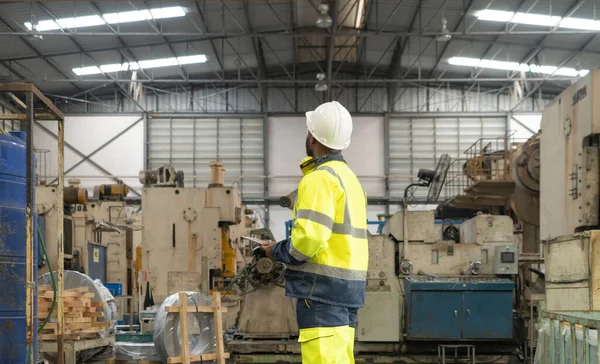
82 317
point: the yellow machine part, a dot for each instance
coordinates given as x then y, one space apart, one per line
229 255
114 190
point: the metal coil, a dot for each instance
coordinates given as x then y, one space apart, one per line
201 332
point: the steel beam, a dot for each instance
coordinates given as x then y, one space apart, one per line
496 41
96 10
396 61
46 59
154 25
260 57
11 70
310 32
569 58
331 46
538 48
365 26
445 47
471 37
96 63
312 82
212 44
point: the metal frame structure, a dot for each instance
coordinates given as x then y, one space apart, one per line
392 76
32 94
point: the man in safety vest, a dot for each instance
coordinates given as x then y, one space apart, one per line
327 255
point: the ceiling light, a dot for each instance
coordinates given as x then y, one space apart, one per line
445 36
578 23
324 20
321 85
537 19
133 66
514 66
359 13
495 15
111 18
34 27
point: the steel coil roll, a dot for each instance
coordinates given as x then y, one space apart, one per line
201 332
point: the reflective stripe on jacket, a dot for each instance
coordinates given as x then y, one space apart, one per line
327 256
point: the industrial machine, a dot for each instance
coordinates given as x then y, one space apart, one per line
98 233
75 198
421 288
569 204
188 233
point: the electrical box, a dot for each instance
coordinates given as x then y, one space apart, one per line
506 260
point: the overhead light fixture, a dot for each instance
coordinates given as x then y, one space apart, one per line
111 18
133 66
515 66
359 13
445 36
324 20
34 28
321 85
537 19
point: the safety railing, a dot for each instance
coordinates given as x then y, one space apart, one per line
568 337
487 159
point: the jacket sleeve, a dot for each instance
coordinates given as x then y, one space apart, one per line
315 213
281 253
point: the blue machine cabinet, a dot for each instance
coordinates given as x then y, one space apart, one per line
97 261
458 308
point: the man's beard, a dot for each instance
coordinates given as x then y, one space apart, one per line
309 152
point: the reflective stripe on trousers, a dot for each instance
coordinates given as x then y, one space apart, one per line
326 332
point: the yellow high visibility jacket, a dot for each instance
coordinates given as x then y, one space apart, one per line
328 254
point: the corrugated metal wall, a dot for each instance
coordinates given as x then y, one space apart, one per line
418 141
190 143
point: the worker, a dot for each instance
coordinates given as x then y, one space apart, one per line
327 254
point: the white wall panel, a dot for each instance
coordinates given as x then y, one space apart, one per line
365 155
523 126
122 158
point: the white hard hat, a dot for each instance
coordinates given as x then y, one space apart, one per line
331 125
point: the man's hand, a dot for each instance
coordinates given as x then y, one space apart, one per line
268 247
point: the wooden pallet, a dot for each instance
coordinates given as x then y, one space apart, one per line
115 361
81 315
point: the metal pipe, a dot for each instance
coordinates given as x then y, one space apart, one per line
351 32
29 278
60 235
312 82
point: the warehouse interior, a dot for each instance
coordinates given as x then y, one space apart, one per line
149 147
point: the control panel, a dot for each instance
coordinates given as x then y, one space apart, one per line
506 260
